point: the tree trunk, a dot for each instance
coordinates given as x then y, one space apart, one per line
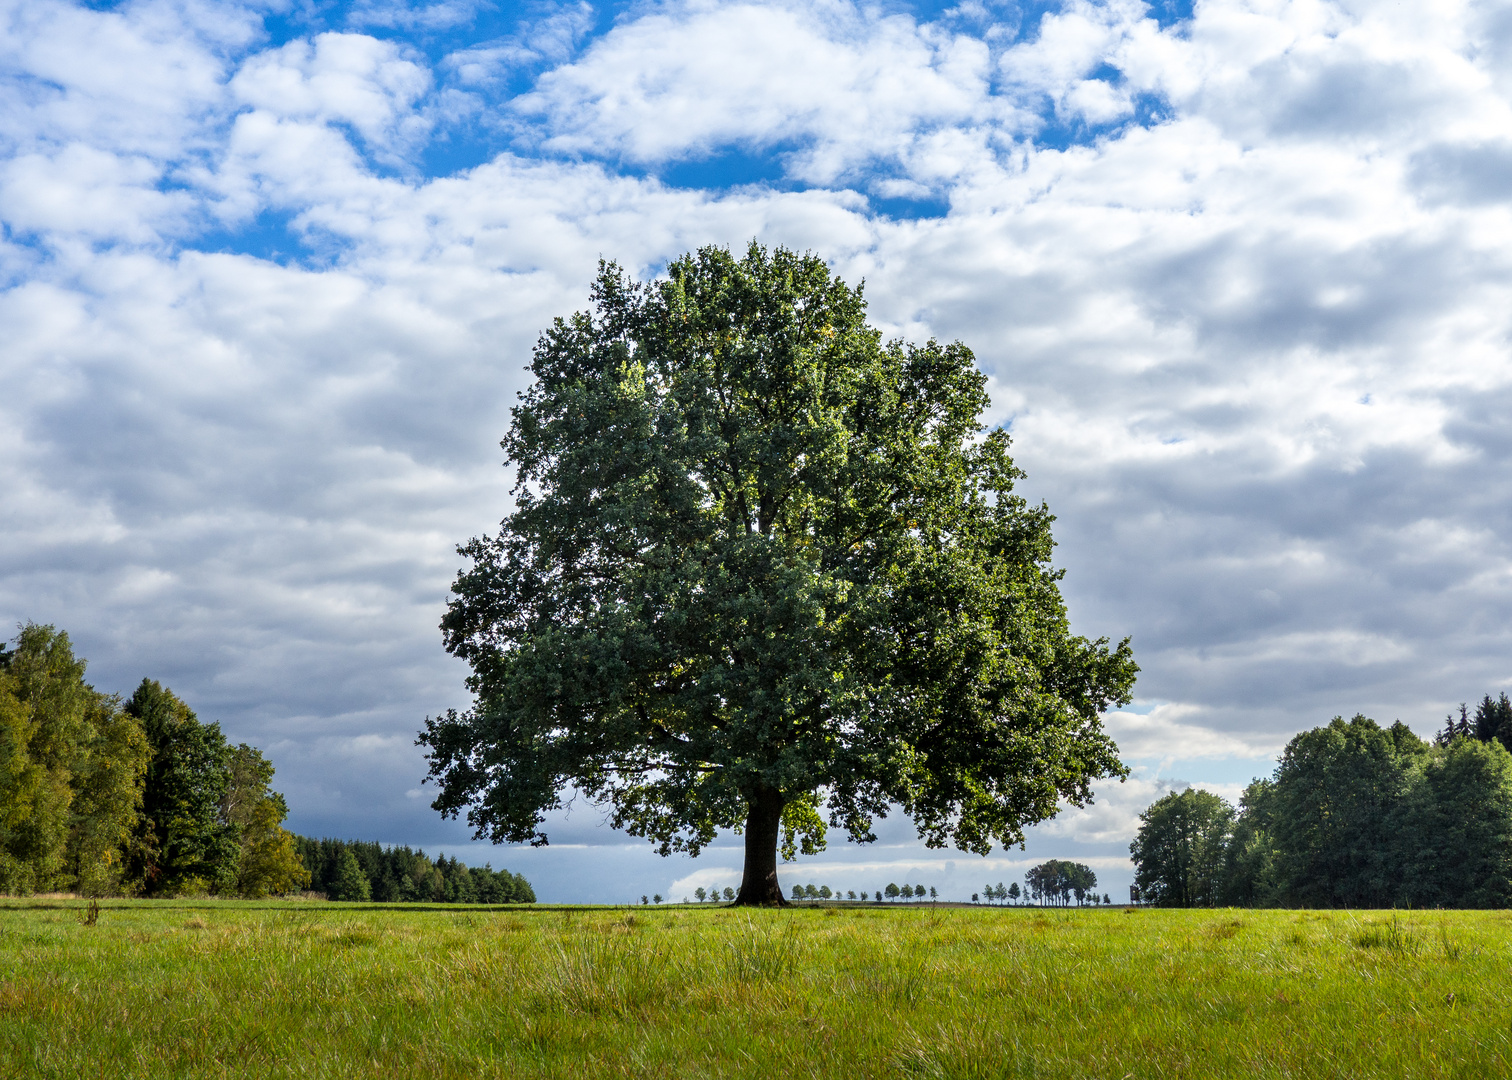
758 886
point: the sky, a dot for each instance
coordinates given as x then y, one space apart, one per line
1239 272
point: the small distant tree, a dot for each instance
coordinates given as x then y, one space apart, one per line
1456 729
699 893
906 892
919 891
879 896
729 893
797 892
657 898
850 894
1081 880
975 899
1013 892
644 899
934 894
891 890
1107 899
824 892
810 891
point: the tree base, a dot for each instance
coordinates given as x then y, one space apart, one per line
758 885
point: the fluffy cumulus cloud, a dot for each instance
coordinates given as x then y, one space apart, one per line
1239 273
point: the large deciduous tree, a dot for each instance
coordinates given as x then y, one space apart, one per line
183 844
763 565
71 769
268 863
1180 851
1334 811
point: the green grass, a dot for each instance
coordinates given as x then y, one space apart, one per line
329 990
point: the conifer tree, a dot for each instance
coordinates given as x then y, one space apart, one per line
351 883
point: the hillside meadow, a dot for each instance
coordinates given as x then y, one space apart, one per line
275 989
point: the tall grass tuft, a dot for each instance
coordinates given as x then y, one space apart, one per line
1394 936
612 974
761 955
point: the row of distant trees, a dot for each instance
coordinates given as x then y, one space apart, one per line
1355 815
106 796
362 871
893 891
824 892
1056 882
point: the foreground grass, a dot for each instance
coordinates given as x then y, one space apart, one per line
327 990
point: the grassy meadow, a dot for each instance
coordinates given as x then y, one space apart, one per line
274 989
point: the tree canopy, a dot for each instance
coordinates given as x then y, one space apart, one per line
101 796
1356 815
1056 881
1181 849
71 770
762 567
397 873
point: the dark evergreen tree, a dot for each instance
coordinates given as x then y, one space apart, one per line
1460 728
402 874
350 882
1493 721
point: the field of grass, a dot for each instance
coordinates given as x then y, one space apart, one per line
203 988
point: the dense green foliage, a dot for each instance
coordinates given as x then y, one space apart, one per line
283 989
1356 816
1492 721
1059 881
357 870
763 565
104 797
1181 852
71 770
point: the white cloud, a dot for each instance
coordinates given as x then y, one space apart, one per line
553 38
139 79
838 86
340 78
89 193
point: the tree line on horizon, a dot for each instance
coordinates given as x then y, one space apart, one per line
1355 815
1054 882
357 870
104 796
